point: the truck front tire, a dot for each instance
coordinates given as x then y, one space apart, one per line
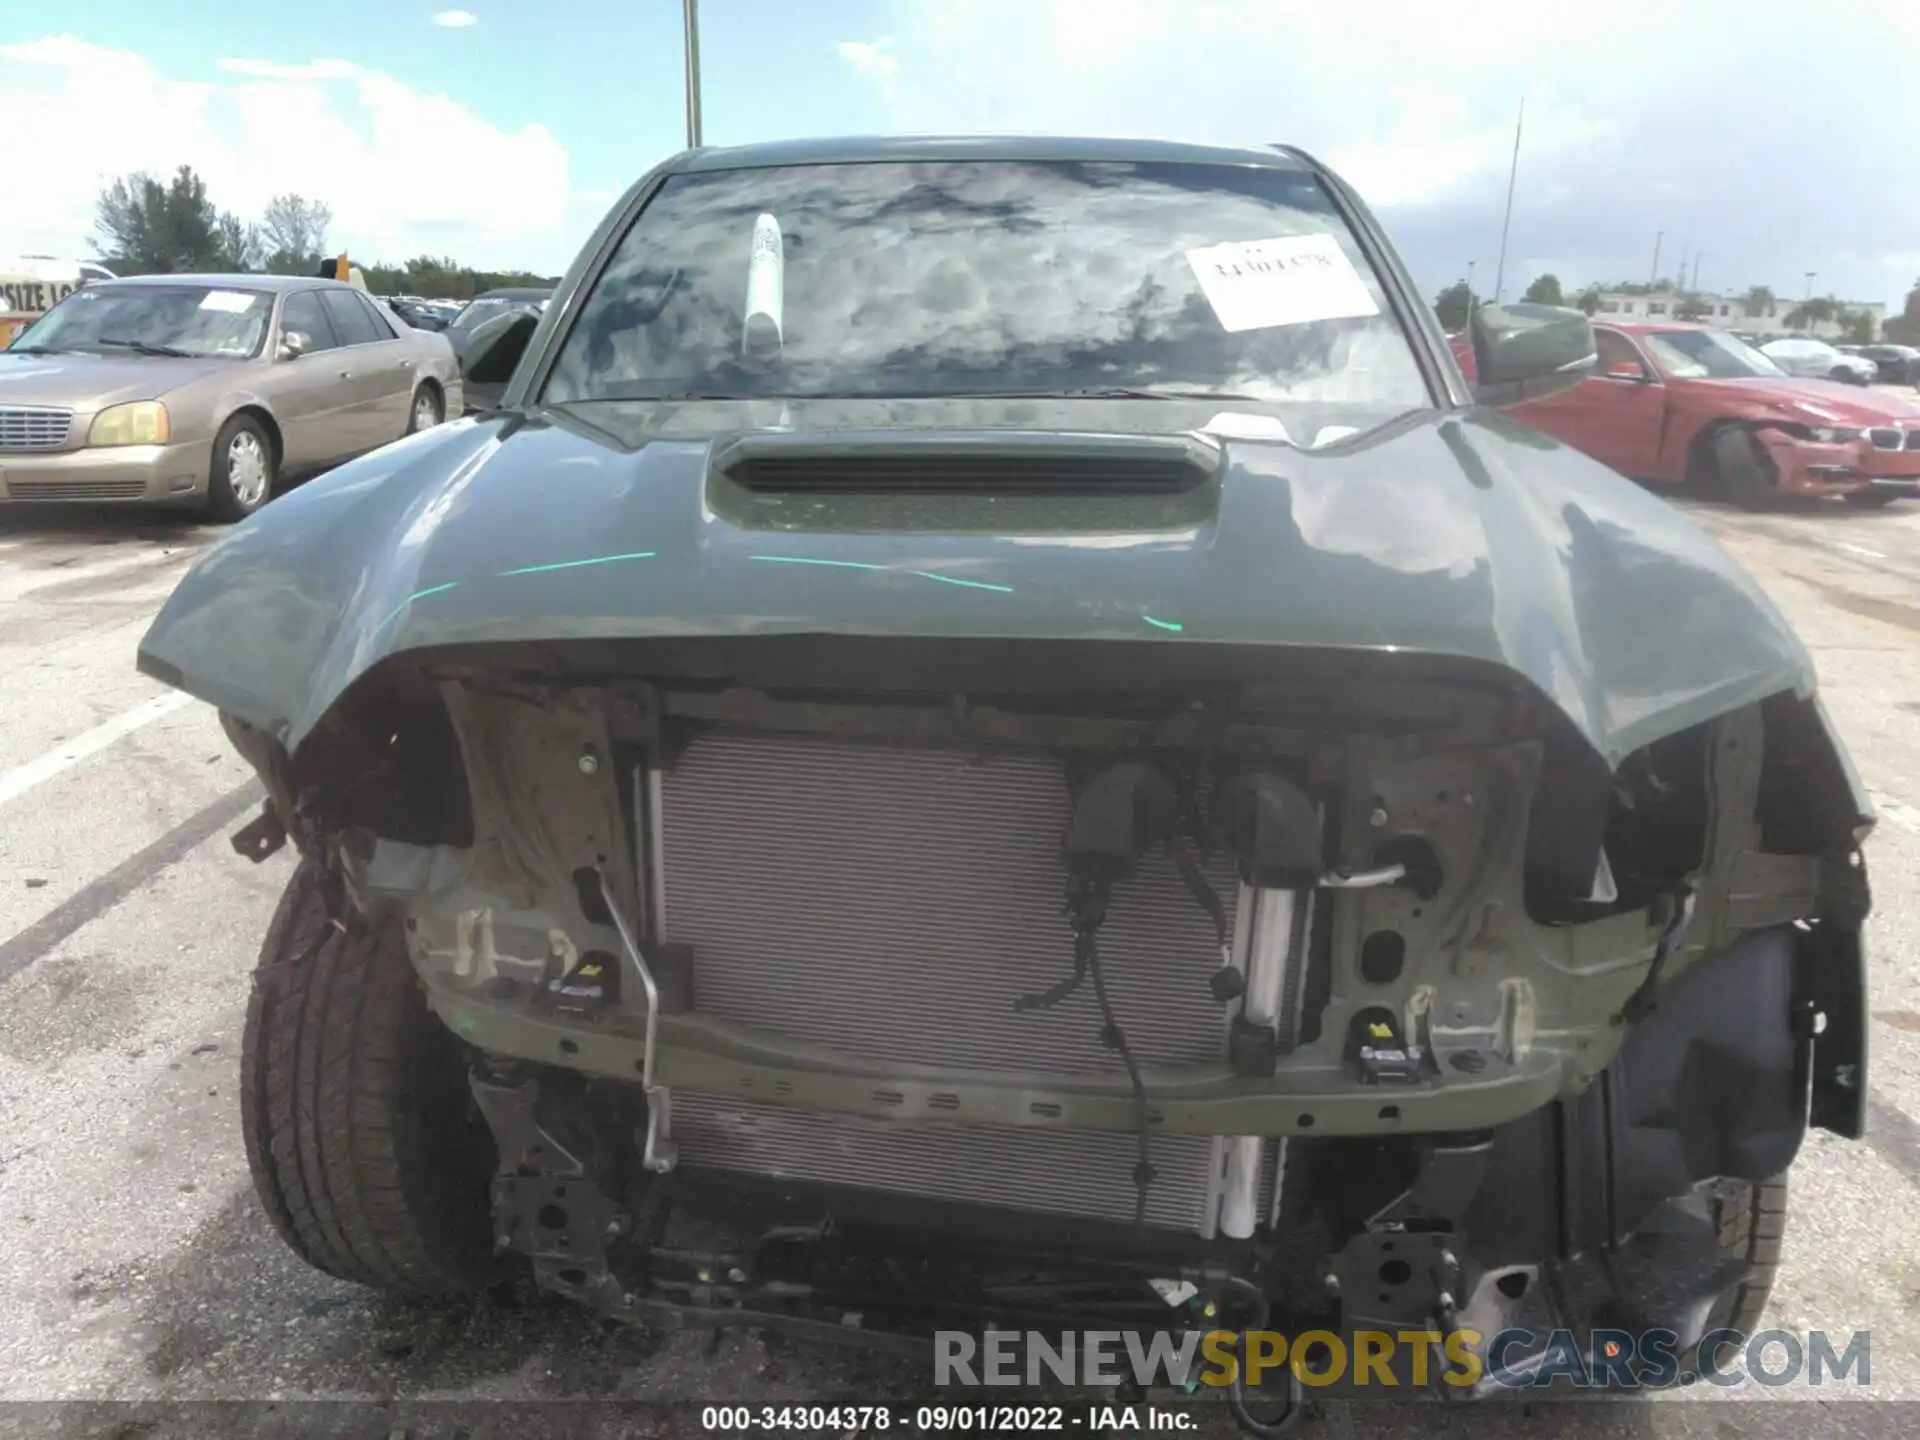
365 1147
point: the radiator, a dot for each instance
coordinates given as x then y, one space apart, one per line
893 902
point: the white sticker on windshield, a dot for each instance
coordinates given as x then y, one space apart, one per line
1288 280
231 301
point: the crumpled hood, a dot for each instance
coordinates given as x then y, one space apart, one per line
77 381
1458 535
1807 401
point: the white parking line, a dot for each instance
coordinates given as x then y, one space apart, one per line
16 782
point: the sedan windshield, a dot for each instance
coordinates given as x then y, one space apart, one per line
170 320
991 278
1707 355
481 311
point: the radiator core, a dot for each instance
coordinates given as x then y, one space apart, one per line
893 902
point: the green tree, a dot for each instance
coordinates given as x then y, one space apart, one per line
239 244
1589 301
1857 326
1545 290
293 234
147 227
1904 328
1809 313
1454 304
1692 308
443 278
1759 303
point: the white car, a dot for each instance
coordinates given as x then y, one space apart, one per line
1818 359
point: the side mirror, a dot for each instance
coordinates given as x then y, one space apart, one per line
1627 370
1527 352
496 347
294 344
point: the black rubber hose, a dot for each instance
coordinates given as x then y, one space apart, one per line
1237 1391
1143 1172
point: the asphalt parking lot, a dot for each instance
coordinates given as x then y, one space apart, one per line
134 1266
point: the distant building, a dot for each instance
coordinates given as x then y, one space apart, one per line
1729 312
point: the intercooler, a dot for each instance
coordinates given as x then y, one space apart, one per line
893 902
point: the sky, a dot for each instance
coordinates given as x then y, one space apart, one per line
1761 138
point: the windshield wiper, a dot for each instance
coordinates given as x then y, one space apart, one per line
30 350
142 347
1096 392
671 397
1088 392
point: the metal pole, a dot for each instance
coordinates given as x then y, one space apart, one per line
1695 286
1810 275
1654 274
691 10
1470 265
1513 173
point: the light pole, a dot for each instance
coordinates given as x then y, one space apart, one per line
691 10
1470 265
1506 220
1810 275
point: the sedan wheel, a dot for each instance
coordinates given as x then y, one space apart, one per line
243 469
427 406
1744 471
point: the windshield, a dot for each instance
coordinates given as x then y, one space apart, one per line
1803 350
1707 355
480 311
196 320
990 277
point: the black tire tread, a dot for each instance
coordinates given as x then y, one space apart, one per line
1753 1226
334 1062
432 387
220 502
1743 474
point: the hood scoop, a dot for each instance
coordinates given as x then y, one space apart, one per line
968 462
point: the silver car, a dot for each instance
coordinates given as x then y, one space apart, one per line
1819 360
210 390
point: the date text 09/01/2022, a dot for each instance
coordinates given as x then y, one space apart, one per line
870 1419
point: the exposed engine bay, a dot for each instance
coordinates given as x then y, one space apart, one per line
860 1008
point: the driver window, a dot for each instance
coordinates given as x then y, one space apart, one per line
1617 355
301 311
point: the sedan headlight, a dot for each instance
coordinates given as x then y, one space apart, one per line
1829 436
144 422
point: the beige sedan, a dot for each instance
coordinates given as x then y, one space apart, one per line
210 390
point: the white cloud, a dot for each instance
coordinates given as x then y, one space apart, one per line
1639 117
455 19
404 170
872 58
314 70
